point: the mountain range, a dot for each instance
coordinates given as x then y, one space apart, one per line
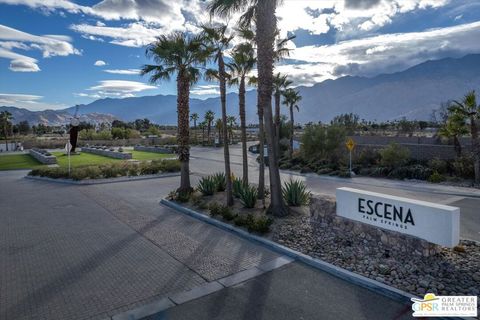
413 93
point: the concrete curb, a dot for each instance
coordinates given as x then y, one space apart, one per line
176 299
341 273
104 181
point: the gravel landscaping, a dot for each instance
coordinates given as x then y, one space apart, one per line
450 272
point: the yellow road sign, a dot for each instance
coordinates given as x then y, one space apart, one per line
350 144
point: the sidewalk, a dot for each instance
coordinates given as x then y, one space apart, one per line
93 252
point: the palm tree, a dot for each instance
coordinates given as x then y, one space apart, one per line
453 128
291 99
209 117
217 40
242 64
194 118
232 122
263 12
280 83
5 119
202 125
219 127
181 54
470 112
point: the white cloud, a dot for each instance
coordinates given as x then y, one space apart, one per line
116 88
204 90
123 71
49 45
100 63
382 53
28 101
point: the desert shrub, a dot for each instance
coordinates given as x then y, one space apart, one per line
369 157
324 171
237 185
169 165
180 196
217 209
150 167
260 224
295 193
344 174
322 142
220 182
306 169
248 196
207 186
416 171
438 165
394 156
436 177
196 199
244 220
463 167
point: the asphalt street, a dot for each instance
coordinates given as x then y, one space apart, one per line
210 160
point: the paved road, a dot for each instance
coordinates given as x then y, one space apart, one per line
90 252
208 160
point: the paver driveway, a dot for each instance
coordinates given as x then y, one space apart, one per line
88 252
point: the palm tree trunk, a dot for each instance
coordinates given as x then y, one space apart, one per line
261 154
183 101
209 128
475 148
266 27
243 128
277 123
457 146
226 151
292 130
5 130
195 130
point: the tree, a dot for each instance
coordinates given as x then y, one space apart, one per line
470 112
231 123
209 117
23 127
194 118
263 12
181 54
280 84
242 64
453 128
348 120
202 126
291 99
5 121
217 42
219 127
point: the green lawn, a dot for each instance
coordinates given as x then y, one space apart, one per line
142 155
18 161
92 159
25 161
82 159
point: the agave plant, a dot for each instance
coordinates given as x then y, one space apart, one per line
295 193
220 182
237 185
207 186
248 196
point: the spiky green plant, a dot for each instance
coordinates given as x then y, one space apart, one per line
295 193
220 182
207 186
248 196
237 185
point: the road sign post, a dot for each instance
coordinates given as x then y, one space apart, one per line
350 144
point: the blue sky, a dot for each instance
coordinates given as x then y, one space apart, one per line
58 53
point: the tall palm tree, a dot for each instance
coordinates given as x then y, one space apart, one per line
242 64
263 12
291 99
5 119
194 118
453 128
181 54
219 127
217 40
209 117
280 84
232 122
470 111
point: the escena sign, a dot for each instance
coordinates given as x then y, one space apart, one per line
436 223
